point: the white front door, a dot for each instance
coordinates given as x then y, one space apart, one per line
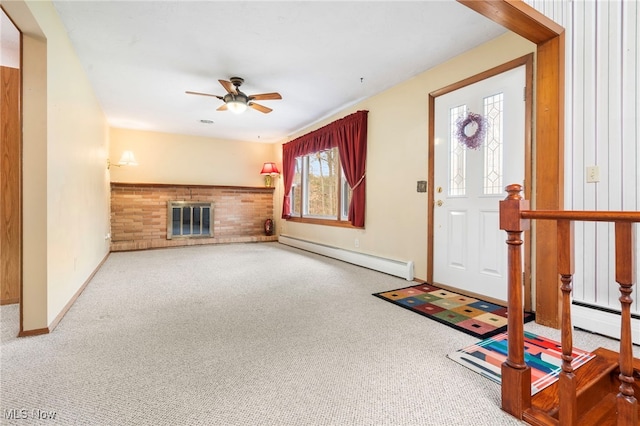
469 250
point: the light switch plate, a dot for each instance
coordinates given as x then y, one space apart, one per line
593 174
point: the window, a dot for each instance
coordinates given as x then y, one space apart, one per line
493 161
319 188
315 185
457 155
492 148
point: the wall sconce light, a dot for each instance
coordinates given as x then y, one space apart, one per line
269 170
127 159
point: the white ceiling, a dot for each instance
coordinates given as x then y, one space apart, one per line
321 56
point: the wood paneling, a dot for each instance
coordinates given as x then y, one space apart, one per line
10 201
603 52
602 128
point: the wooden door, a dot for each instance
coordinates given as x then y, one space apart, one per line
10 166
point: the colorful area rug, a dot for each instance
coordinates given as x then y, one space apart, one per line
541 354
473 316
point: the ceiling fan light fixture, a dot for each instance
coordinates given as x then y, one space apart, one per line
236 103
236 106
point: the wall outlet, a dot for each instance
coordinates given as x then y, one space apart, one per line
357 242
593 174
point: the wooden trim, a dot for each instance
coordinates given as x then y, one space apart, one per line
21 231
528 178
527 61
499 69
517 16
522 19
430 185
35 332
179 185
326 222
9 301
549 176
583 215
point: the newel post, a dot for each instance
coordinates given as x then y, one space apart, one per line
516 374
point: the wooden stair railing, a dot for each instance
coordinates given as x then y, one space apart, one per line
515 217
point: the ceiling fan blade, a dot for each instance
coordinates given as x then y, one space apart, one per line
260 108
222 107
204 94
266 96
228 86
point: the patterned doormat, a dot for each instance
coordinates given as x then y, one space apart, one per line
541 354
473 316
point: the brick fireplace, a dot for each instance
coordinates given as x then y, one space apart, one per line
139 214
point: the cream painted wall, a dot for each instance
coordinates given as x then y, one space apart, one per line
66 185
181 159
66 145
34 184
396 215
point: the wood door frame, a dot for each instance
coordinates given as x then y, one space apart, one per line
527 61
548 194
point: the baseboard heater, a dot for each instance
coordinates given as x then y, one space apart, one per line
388 266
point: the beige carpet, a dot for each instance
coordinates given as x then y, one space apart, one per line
246 334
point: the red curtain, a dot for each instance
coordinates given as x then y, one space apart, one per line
349 134
352 144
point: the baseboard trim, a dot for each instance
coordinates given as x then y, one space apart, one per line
35 332
602 322
10 301
66 308
70 303
402 269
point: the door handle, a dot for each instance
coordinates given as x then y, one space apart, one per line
439 203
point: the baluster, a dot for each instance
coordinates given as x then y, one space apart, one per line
516 374
567 379
625 276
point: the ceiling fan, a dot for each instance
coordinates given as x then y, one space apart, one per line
236 101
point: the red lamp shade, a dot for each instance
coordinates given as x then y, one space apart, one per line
269 169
